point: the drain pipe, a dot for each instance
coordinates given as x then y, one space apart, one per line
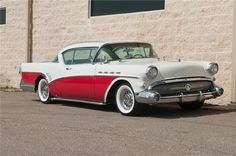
233 90
29 30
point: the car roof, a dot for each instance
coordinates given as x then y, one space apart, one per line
94 44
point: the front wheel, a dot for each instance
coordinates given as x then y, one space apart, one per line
125 101
43 91
192 106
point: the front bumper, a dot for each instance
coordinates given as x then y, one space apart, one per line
150 97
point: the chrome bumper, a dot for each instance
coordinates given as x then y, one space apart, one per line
27 87
149 97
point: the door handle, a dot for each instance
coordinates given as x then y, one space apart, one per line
68 68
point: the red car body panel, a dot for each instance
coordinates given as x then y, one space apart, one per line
88 88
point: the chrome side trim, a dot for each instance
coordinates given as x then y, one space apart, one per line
82 101
118 76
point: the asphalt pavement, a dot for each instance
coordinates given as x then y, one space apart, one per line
31 128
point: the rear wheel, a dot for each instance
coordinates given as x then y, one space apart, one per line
43 91
125 101
192 106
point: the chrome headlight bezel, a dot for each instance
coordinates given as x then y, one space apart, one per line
213 68
151 72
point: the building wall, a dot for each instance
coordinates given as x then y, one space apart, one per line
187 29
13 41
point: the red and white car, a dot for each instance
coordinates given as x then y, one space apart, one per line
126 73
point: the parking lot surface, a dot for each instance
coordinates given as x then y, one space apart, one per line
29 127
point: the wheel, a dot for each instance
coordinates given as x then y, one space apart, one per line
43 91
192 106
125 101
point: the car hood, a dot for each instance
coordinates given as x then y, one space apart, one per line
166 69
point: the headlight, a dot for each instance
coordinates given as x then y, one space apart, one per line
151 72
213 68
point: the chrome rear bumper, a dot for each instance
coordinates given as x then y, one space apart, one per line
150 97
26 87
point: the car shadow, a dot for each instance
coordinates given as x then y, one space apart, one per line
168 111
107 108
173 111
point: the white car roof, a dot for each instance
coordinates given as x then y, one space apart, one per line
93 44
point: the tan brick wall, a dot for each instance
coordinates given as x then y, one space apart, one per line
187 29
12 41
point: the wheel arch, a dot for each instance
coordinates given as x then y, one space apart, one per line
110 93
37 81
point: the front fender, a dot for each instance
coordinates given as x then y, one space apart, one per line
136 84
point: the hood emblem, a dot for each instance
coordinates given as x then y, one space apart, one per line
188 87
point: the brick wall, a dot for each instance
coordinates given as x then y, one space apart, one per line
13 41
187 29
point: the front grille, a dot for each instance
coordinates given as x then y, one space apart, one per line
177 88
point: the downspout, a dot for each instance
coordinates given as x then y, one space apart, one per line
29 30
233 90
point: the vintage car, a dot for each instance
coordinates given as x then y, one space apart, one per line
128 74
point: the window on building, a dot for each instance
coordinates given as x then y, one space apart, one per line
108 7
2 16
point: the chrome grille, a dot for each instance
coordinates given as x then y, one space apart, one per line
177 88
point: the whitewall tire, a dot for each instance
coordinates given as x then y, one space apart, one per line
125 100
43 91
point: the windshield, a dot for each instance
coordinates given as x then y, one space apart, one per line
125 51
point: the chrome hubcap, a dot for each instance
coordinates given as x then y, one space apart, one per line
44 90
126 99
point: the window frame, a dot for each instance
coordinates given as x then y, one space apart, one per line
121 14
5 18
74 49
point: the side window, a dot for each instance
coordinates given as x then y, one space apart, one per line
147 51
84 55
68 56
106 53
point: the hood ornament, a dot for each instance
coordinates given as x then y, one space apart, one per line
188 87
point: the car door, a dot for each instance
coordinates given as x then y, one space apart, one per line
78 80
105 72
